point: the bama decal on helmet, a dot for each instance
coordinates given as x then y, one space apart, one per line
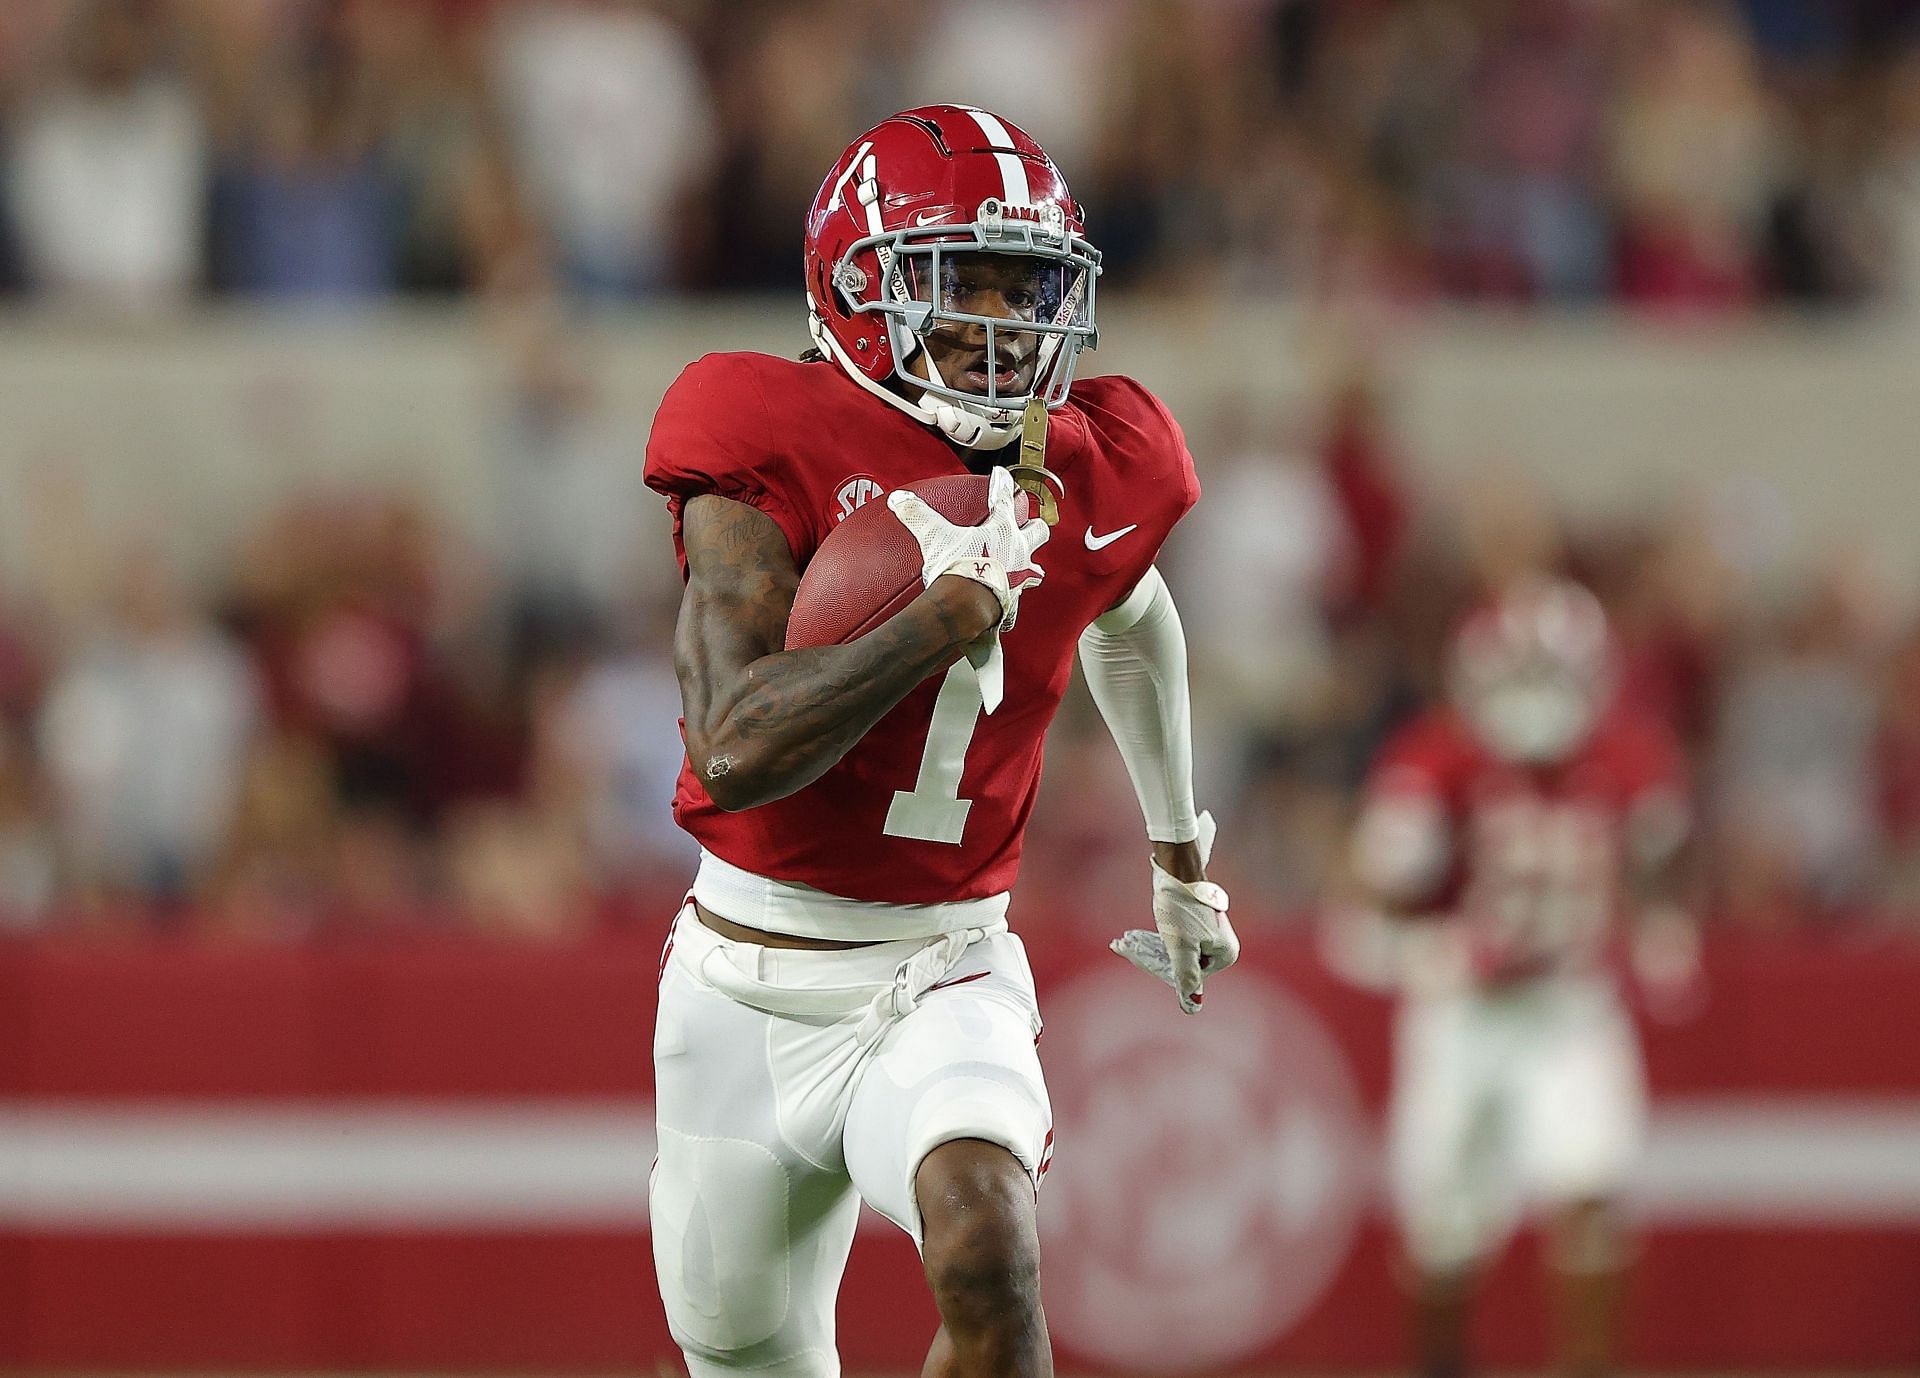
1048 216
853 493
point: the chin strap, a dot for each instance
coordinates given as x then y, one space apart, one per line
969 429
962 425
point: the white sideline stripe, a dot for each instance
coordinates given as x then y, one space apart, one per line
1013 173
205 1166
196 1167
1782 1161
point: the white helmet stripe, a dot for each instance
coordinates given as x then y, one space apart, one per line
1013 173
835 201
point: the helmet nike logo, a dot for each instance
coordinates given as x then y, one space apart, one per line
1102 542
932 218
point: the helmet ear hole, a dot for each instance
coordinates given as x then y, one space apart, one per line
828 292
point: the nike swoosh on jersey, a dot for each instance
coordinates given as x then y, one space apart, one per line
1102 542
932 217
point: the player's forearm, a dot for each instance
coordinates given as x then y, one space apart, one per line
792 715
1135 658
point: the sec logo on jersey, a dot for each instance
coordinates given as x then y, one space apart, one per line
1219 1168
854 493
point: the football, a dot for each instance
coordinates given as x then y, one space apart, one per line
868 568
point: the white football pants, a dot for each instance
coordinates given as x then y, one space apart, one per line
792 1084
1507 1099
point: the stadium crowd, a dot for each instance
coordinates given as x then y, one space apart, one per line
1700 154
363 723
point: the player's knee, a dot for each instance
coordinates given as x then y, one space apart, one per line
981 1240
758 1361
711 1350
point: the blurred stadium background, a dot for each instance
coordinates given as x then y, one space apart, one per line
337 710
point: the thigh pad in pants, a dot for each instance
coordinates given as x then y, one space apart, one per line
750 1236
961 1065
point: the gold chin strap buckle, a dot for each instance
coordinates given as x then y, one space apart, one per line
1031 472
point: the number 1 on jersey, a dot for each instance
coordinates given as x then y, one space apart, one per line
933 811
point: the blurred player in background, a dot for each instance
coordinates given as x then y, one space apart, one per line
843 1013
1506 843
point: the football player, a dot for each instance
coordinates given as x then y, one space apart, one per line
843 1013
1501 840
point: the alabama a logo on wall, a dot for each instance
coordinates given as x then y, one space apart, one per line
1217 1172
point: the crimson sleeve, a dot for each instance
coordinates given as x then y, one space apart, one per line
714 434
1151 455
1655 810
1661 763
1417 760
1161 445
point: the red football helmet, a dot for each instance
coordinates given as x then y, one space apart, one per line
1533 670
904 199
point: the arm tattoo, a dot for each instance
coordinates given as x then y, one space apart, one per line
768 720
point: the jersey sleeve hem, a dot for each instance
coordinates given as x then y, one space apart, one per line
702 444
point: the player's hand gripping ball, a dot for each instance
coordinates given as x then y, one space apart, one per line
982 527
874 563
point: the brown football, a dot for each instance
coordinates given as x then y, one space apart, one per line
868 568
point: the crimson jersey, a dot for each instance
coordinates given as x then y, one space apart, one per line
1538 858
931 805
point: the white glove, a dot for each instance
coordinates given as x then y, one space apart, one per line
1195 939
1665 959
998 553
